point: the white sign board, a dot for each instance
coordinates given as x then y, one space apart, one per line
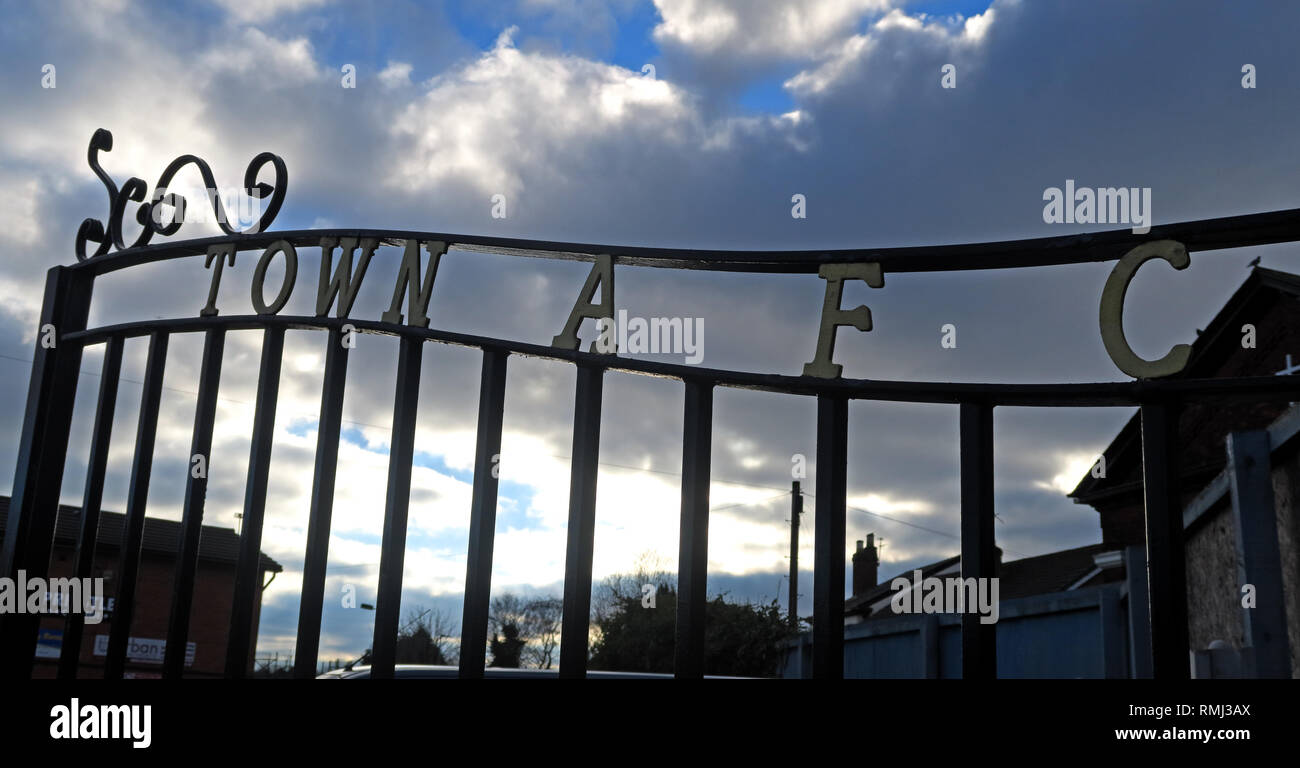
147 650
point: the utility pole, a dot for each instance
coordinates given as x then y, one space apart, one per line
796 509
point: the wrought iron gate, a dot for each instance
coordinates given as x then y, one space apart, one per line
52 389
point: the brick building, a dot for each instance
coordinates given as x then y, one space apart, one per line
1256 333
213 593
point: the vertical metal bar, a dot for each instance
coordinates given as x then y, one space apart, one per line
1139 612
42 450
1259 559
693 545
1114 660
96 468
929 647
582 523
196 490
483 514
136 502
828 536
248 573
316 560
979 657
1166 566
796 510
401 452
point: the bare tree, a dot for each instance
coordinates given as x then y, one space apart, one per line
506 629
446 635
534 622
650 568
542 617
428 637
505 608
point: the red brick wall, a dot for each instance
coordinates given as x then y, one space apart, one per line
209 622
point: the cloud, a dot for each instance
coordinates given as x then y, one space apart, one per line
538 107
264 10
790 29
254 52
954 37
396 74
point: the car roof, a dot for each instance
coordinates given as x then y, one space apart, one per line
429 671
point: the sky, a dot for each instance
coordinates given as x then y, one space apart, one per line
686 123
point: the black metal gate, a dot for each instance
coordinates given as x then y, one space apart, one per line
51 393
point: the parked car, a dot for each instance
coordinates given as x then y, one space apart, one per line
423 671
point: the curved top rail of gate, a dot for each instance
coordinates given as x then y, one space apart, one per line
1122 244
1204 235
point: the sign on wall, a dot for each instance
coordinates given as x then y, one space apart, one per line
147 650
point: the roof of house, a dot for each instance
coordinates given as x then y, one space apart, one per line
862 603
161 537
1040 575
1053 572
1211 354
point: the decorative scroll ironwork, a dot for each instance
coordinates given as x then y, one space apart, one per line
148 215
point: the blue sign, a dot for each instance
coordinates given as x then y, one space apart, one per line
49 643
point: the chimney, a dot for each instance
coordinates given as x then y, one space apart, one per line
866 564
